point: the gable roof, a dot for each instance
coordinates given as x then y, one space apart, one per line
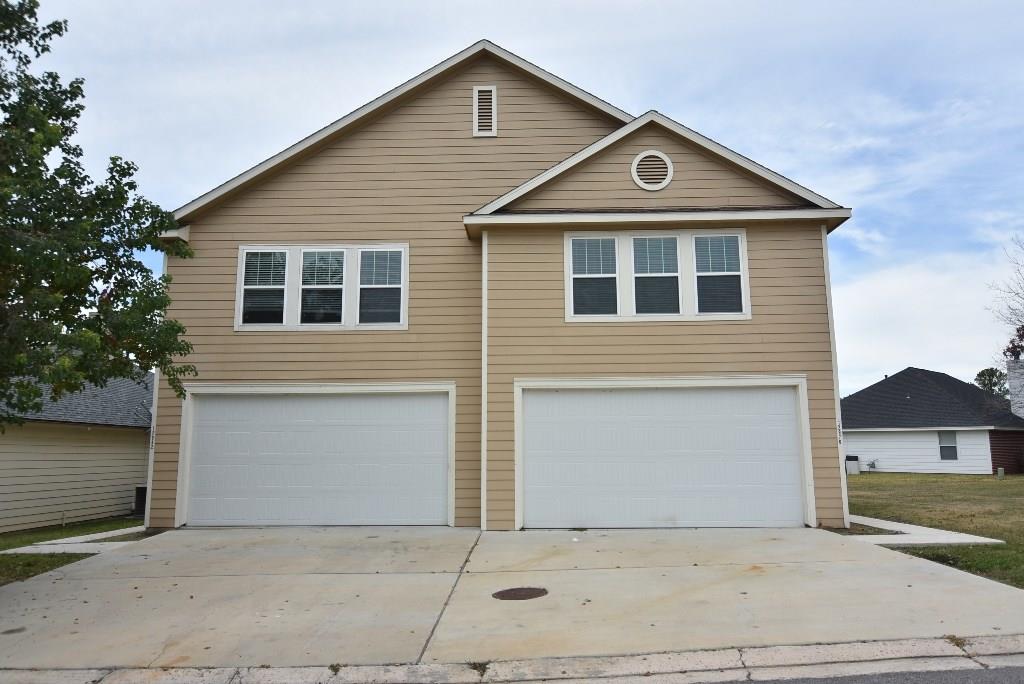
187 211
653 117
122 403
919 398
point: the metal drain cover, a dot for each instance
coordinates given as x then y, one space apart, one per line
520 593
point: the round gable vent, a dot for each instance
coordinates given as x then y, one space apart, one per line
652 170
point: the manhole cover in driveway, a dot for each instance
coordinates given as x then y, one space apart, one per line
520 593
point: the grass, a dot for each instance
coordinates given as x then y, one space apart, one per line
19 566
975 504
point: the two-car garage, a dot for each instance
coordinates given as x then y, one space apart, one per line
670 453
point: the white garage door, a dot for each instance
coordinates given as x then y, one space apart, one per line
663 457
313 459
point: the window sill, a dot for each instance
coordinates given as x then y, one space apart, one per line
658 318
319 327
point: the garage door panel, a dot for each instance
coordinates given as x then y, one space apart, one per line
319 459
630 457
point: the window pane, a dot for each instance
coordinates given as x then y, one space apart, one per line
657 294
594 296
593 256
947 437
719 294
947 453
381 267
717 253
321 305
263 306
323 268
380 305
265 268
655 255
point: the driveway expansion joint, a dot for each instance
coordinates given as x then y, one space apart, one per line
444 606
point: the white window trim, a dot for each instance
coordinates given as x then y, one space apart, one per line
741 273
293 288
625 277
477 133
678 273
647 186
955 444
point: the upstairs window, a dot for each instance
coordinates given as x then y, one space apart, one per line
380 286
719 275
485 111
668 275
322 287
947 445
656 275
263 287
594 276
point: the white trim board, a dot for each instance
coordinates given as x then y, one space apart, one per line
186 211
244 388
796 381
475 223
674 127
483 383
835 381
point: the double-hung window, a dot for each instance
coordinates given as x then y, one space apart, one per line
656 276
719 274
323 287
594 276
947 445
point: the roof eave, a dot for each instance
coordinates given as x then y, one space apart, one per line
475 223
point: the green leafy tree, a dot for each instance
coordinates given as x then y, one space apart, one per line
78 305
992 380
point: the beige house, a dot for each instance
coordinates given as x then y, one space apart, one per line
81 457
489 298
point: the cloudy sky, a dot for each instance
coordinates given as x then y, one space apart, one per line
911 113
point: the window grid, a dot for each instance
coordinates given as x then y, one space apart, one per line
656 259
264 287
717 259
323 273
379 269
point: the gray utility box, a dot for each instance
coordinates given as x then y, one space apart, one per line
853 465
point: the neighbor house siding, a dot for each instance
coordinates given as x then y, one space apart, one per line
917 451
787 333
700 180
53 472
1007 450
408 176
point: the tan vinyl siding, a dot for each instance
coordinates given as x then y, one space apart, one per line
408 176
787 333
700 180
54 472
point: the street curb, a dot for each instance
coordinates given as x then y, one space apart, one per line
763 663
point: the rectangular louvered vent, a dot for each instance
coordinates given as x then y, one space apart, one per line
485 111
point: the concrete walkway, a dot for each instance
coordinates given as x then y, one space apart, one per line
773 663
913 535
85 543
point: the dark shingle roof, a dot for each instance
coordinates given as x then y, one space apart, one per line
916 398
122 402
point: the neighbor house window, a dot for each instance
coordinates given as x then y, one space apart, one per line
673 275
297 287
263 287
656 275
947 445
719 276
594 276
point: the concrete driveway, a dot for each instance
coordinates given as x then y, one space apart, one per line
318 596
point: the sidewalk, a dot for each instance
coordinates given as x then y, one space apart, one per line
913 535
772 663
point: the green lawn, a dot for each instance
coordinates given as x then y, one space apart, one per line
14 567
975 504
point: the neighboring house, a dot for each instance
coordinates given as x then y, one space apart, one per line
920 421
489 298
79 458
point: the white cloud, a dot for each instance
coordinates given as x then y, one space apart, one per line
934 312
868 240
